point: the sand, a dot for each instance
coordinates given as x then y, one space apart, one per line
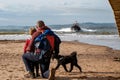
97 62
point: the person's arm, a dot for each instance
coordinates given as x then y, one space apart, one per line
26 45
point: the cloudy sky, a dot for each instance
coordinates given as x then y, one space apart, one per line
27 12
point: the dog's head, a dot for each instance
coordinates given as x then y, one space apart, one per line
74 53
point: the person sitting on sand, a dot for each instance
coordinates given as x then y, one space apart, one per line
31 66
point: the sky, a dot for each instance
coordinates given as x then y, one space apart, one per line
28 12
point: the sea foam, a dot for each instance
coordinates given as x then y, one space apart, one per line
112 41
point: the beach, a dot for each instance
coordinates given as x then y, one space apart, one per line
97 62
90 28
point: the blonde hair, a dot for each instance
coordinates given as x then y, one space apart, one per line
32 30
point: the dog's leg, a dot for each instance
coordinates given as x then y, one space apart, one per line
71 67
64 66
78 67
58 65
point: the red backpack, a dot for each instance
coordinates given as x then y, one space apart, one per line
51 40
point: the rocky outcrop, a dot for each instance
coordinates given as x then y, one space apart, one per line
116 8
75 28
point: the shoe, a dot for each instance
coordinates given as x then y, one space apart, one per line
29 75
46 74
32 75
37 75
52 74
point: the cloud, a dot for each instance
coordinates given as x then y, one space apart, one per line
28 11
3 19
2 6
37 5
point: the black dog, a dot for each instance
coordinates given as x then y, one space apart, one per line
72 59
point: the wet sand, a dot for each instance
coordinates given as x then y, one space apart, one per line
97 62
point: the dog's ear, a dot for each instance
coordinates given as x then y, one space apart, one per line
74 53
59 56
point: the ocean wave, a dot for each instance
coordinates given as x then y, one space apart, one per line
112 41
70 35
69 30
88 30
62 30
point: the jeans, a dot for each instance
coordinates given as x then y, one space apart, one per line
44 66
30 58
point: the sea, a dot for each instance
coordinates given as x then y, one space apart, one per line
104 34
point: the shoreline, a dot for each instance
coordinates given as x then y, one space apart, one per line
69 42
84 33
112 41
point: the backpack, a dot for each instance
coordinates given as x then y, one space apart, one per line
45 50
52 42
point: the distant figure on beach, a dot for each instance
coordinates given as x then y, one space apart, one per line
75 27
43 44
